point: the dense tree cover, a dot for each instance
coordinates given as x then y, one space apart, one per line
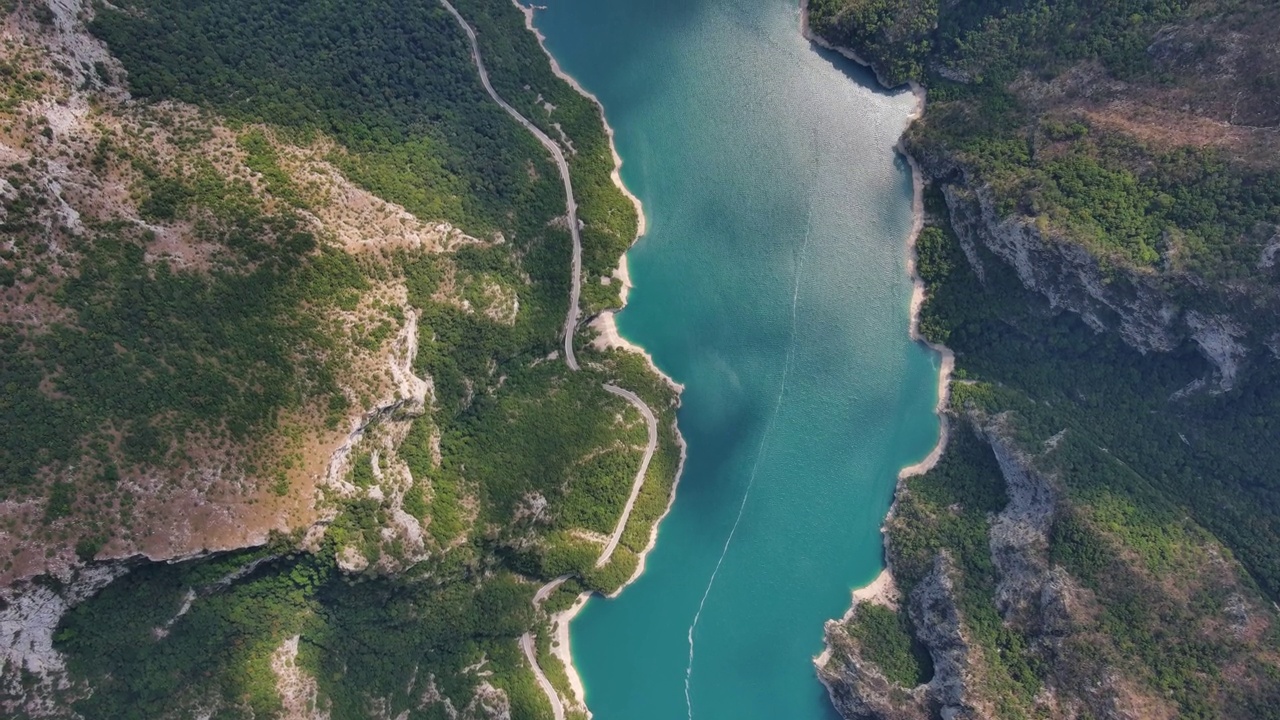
608 217
375 636
894 34
537 436
153 353
361 638
1005 334
885 638
1179 210
148 661
993 40
1182 211
1147 479
393 85
390 80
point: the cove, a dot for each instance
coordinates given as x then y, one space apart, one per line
772 283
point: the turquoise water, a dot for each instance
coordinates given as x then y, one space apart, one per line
772 283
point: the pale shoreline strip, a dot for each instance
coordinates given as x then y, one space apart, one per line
883 589
608 337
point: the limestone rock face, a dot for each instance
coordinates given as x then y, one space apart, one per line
935 612
1042 601
860 691
29 615
1138 306
1020 533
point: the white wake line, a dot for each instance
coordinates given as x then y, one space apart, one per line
764 439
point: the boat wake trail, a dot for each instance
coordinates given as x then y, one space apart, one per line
764 440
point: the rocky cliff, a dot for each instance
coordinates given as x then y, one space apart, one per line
1017 626
860 690
278 438
1098 252
1148 311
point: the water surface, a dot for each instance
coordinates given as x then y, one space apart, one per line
772 283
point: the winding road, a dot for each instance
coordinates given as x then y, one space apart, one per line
531 654
570 325
571 206
644 468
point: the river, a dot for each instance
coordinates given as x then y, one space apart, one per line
772 283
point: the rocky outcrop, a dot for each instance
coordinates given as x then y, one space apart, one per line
859 690
1041 601
299 693
1136 305
375 439
936 614
1141 307
487 703
31 670
1019 536
407 397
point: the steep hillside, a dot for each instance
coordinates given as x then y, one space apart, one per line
282 292
1121 156
1102 202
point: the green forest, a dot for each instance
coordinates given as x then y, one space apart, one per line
1145 477
1155 487
1072 122
1131 201
156 353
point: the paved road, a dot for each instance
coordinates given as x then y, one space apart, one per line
526 644
571 207
530 652
570 325
644 468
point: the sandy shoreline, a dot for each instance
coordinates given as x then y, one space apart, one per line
622 273
607 338
948 358
561 650
616 175
883 590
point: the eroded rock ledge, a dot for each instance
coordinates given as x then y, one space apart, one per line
860 691
1139 307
